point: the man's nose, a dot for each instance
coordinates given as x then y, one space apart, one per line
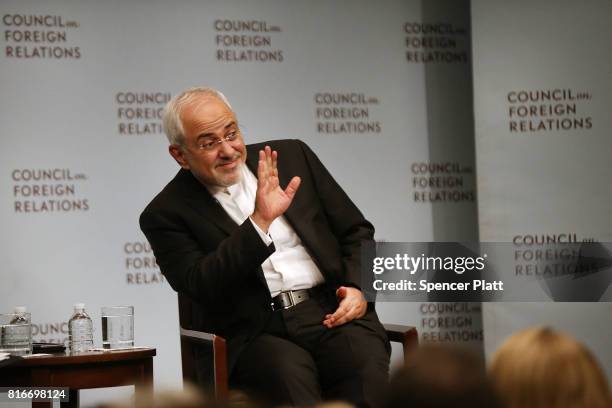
226 149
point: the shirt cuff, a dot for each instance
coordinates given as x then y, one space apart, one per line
266 238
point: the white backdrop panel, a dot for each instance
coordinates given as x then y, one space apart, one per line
552 179
67 113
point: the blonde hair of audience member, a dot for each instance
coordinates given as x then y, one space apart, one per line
542 368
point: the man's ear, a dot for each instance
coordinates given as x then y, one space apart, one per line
177 154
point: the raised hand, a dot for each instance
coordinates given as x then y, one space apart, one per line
271 200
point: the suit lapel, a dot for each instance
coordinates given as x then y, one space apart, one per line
252 158
198 197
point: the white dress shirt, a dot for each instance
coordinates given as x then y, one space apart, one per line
290 267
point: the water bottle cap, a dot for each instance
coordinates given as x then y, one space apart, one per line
79 306
20 309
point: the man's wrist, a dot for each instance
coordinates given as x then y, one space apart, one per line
265 236
263 224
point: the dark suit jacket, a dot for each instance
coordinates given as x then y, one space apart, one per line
205 255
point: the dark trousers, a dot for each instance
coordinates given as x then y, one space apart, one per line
298 361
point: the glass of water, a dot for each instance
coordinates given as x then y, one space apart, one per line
16 333
117 327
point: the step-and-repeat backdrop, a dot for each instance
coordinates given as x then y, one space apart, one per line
380 90
542 98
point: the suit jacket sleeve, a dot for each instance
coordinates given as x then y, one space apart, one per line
196 265
345 220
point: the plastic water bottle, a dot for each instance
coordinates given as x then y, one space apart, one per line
20 315
80 330
18 333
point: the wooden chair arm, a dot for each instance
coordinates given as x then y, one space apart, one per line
198 337
406 335
219 347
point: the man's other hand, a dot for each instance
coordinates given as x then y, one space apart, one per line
271 201
352 306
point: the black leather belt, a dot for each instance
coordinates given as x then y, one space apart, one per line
290 298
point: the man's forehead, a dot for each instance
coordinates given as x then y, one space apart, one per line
205 115
207 104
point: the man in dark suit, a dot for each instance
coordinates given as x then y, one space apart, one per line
275 270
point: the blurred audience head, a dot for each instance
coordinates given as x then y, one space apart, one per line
334 404
439 377
542 368
187 397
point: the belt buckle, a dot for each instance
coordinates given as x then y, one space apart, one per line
291 300
282 295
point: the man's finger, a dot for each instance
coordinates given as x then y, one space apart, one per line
261 168
269 158
329 321
345 318
342 321
274 160
274 168
341 311
292 187
266 165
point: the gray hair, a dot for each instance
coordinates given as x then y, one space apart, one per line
171 116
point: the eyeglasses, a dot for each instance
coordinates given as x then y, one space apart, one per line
214 143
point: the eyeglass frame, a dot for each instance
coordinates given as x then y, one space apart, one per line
231 137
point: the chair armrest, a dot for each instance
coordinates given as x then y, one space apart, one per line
197 336
219 347
406 335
